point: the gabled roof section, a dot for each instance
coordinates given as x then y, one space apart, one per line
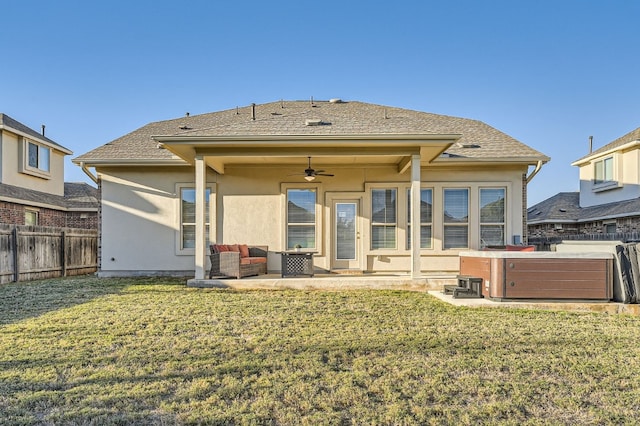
78 196
629 138
14 126
308 120
564 207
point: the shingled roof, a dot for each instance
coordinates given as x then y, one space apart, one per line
564 207
77 196
632 136
10 124
290 118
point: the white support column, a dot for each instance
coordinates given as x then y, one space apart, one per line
415 216
201 190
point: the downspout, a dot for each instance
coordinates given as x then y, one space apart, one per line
535 171
93 177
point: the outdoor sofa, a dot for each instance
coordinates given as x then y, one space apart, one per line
237 260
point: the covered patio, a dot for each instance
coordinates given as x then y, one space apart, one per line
408 154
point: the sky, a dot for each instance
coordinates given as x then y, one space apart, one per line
549 73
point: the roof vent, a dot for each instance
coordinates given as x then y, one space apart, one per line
313 122
335 101
185 127
468 145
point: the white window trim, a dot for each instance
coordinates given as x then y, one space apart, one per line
504 222
471 195
24 166
284 187
405 227
616 171
369 215
179 251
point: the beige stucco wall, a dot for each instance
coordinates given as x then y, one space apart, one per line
11 146
141 207
626 175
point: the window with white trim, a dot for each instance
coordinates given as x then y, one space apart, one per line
456 218
383 219
188 217
492 216
603 170
38 156
35 159
426 218
301 218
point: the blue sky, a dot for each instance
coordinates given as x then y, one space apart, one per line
549 73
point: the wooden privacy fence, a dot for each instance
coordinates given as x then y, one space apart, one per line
38 252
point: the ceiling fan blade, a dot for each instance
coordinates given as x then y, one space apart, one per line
324 174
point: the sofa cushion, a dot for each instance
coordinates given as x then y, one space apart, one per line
234 248
254 260
257 252
245 261
220 248
244 250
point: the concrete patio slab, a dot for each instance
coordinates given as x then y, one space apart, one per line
556 305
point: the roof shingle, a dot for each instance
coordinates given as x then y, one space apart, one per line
287 118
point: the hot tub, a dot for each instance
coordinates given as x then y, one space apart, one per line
508 275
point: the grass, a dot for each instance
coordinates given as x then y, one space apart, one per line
89 351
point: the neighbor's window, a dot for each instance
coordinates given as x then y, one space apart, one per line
603 170
492 217
456 218
426 218
188 217
31 217
301 218
383 219
38 156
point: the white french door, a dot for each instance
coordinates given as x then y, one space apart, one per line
346 243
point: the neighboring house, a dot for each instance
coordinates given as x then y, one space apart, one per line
609 198
32 187
335 177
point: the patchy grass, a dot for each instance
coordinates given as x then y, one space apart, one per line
90 351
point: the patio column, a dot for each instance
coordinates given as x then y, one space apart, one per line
201 188
415 216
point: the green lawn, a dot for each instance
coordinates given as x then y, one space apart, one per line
90 351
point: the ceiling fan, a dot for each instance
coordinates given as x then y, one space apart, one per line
310 174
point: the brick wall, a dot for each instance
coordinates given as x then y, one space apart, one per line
13 214
550 230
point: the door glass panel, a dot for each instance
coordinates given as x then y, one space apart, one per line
345 231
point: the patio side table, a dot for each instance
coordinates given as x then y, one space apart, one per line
296 263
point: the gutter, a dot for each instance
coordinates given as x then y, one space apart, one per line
535 171
93 177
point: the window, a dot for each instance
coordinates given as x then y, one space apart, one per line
426 218
603 170
383 219
301 218
188 217
456 218
38 156
35 159
31 217
492 217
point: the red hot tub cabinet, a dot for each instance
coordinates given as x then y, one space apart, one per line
541 275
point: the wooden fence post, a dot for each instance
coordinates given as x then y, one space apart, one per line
14 247
63 258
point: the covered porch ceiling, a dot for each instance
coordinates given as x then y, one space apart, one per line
221 152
